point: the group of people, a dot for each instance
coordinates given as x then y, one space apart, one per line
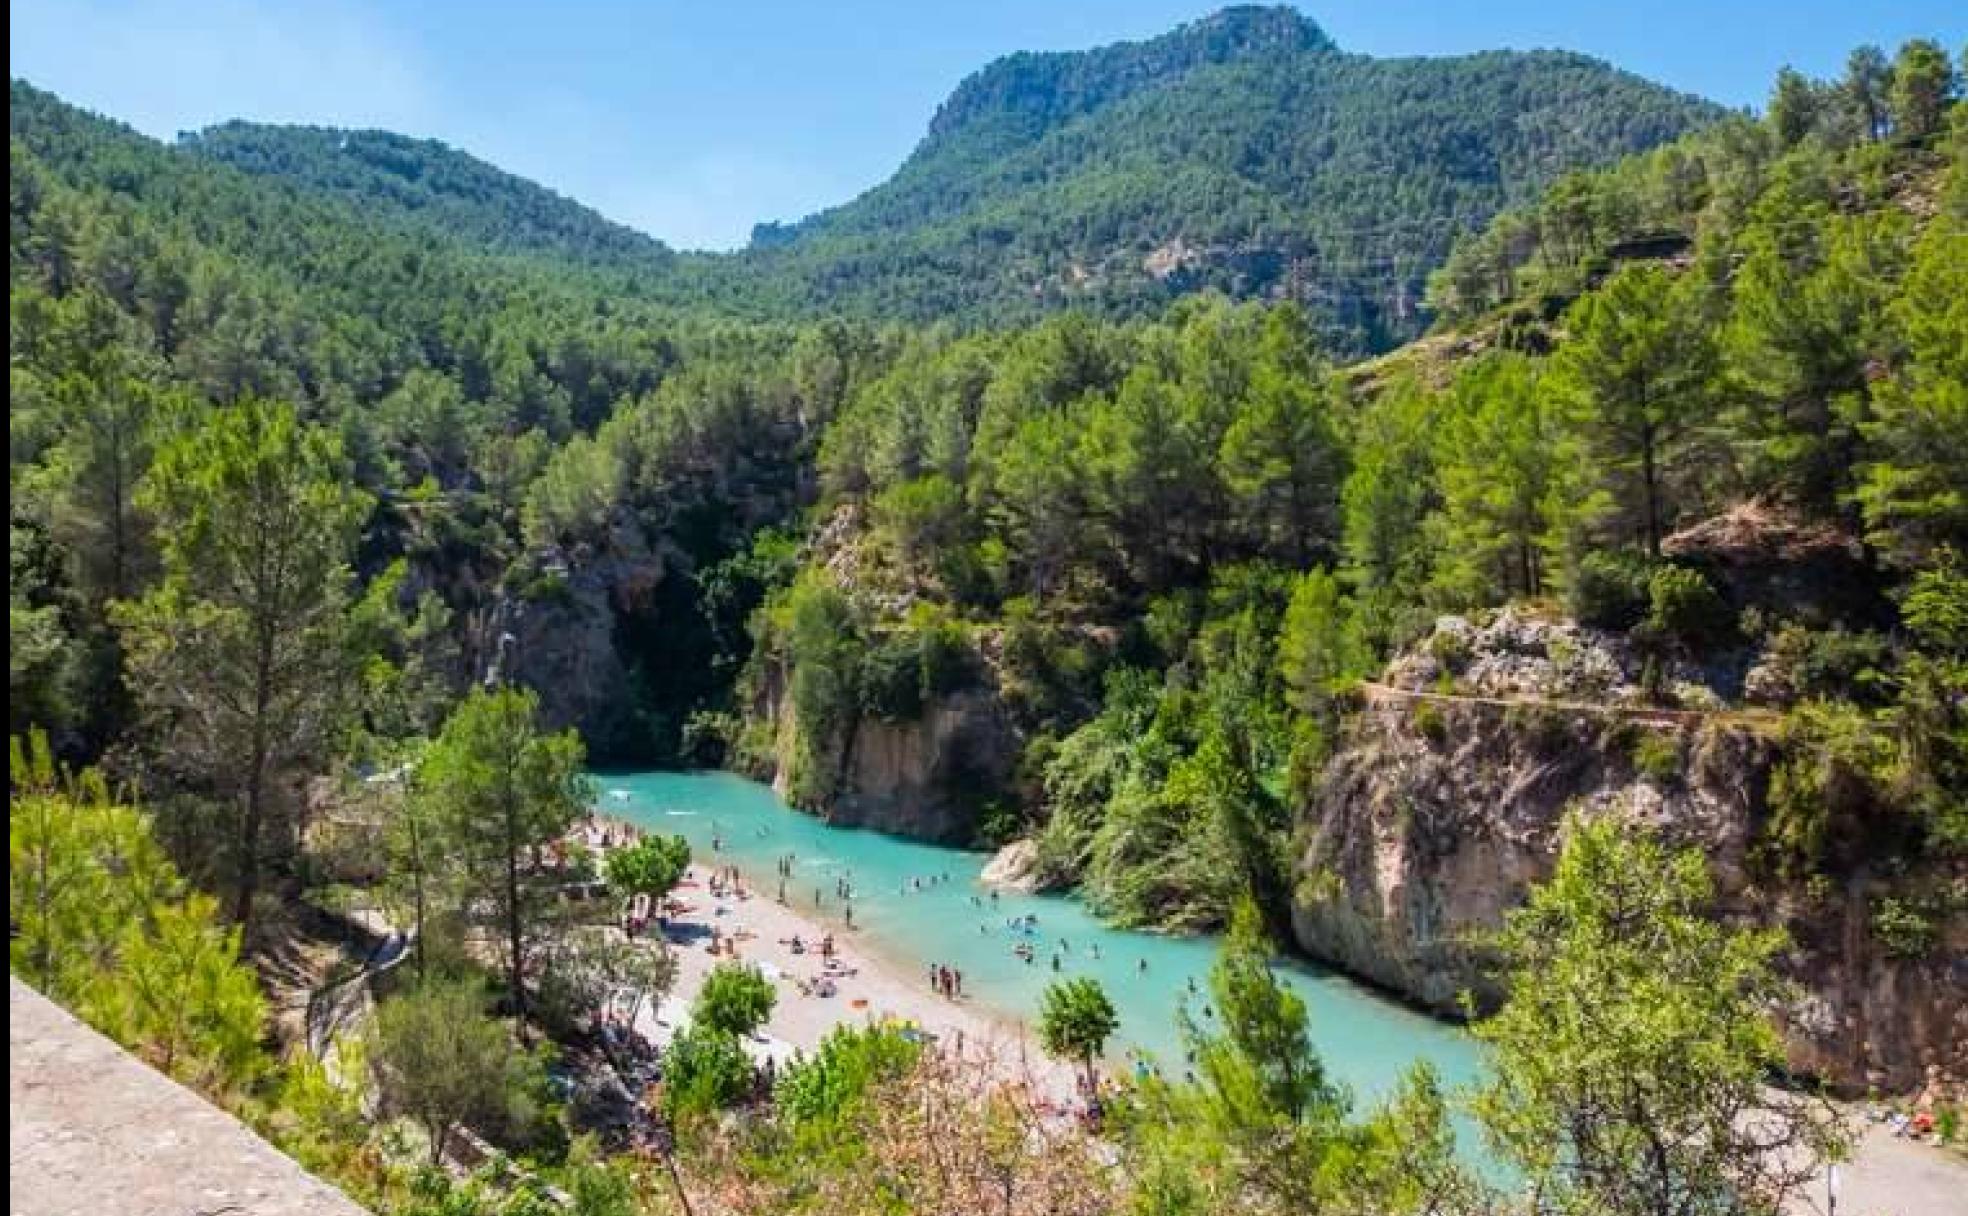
945 981
727 880
797 945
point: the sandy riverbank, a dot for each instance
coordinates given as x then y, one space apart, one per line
877 988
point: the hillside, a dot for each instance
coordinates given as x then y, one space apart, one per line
1243 153
428 185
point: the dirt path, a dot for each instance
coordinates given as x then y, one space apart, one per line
1888 1176
1383 695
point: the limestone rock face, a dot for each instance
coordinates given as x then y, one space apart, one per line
929 777
1015 867
564 636
1436 817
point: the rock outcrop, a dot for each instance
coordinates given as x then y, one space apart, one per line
1015 867
929 777
1438 814
559 633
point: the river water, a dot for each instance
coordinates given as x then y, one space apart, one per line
916 903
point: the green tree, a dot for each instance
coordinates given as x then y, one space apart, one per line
503 789
1075 1021
1796 107
1262 1128
1318 651
1640 368
824 648
705 1070
736 999
585 967
1914 490
1923 86
439 1060
651 866
848 1065
1387 495
1283 462
180 993
1868 75
1631 1061
102 922
1505 469
238 655
1808 316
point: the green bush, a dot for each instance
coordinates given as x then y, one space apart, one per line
1834 664
1684 605
1657 756
736 999
1903 930
849 1063
1426 717
1610 590
705 1070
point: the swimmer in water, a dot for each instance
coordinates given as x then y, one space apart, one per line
1141 965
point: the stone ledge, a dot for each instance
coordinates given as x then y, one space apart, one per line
92 1130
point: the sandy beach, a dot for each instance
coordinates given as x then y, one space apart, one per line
866 988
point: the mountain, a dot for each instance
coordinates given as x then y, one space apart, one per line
427 184
1244 152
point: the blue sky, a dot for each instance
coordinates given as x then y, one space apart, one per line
692 120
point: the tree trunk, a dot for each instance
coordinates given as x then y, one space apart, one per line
1650 478
514 929
255 811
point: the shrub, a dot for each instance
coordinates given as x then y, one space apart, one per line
735 999
1903 930
1657 756
1834 664
850 1062
1610 590
1428 722
705 1070
1684 605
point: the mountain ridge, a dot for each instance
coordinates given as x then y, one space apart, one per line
1244 153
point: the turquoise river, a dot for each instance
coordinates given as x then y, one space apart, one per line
1367 1041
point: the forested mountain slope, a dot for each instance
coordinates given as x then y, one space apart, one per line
428 185
1243 153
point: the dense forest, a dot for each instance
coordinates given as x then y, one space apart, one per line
1242 153
334 455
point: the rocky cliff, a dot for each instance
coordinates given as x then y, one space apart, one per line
1441 809
929 777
